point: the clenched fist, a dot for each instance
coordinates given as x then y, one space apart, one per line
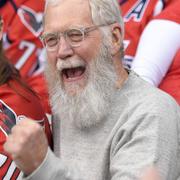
27 144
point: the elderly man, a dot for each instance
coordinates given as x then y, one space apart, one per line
109 124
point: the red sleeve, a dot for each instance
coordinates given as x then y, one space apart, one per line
171 12
15 105
38 84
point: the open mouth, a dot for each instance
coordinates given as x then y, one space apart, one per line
73 73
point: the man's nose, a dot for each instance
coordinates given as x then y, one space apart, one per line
65 50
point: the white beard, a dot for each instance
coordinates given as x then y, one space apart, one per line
91 105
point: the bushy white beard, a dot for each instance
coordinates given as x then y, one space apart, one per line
89 106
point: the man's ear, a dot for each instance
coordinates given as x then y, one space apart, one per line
116 39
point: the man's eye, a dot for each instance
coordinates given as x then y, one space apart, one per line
75 35
51 41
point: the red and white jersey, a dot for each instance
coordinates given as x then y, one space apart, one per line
16 103
22 27
171 82
136 15
38 84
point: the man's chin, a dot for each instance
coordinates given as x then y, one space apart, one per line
73 89
72 92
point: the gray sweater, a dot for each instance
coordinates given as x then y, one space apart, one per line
141 129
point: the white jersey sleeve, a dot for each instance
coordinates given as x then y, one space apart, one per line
158 45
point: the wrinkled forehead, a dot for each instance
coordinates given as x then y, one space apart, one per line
66 12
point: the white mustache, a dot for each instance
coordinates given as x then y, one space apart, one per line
69 63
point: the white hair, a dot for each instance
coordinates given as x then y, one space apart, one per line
105 12
102 12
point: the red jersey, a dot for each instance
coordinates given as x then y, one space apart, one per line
136 15
37 83
171 11
16 103
171 82
22 27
